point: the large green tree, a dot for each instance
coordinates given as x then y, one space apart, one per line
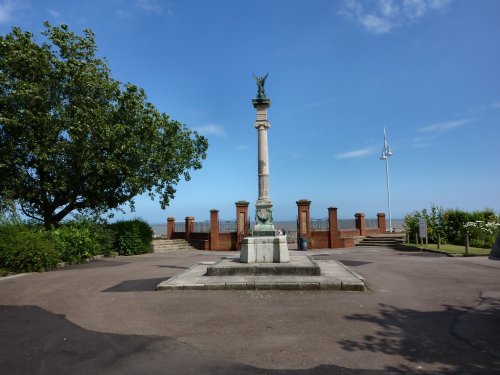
72 138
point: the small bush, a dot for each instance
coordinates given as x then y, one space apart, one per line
24 249
453 224
82 239
132 237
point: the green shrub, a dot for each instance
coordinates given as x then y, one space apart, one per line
132 237
453 224
25 249
410 224
81 239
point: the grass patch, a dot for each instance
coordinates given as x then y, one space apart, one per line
455 249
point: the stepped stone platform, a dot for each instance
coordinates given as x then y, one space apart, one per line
333 275
299 266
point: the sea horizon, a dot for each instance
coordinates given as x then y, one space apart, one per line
288 225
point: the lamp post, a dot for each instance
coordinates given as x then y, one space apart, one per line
386 154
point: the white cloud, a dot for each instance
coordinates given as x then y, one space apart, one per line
495 105
129 9
388 8
423 139
215 130
381 16
356 153
54 14
149 6
480 109
444 126
376 24
7 9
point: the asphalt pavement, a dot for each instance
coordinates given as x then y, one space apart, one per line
422 313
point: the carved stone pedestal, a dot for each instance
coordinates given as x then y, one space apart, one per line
264 250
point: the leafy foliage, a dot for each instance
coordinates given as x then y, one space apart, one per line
453 225
74 139
25 249
132 237
79 240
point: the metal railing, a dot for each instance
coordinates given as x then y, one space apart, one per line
227 226
347 224
320 224
202 226
371 223
180 226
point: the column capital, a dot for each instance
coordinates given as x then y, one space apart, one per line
264 103
262 124
303 202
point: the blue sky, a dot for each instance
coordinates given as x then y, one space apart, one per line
339 72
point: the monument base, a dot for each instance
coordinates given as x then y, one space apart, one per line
264 249
264 230
303 265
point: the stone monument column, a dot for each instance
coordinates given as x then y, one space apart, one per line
264 214
263 246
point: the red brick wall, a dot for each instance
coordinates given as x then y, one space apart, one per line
369 231
227 241
179 235
347 242
344 233
319 240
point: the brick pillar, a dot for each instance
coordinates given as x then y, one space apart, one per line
170 227
189 227
333 227
360 223
242 222
214 229
304 211
381 222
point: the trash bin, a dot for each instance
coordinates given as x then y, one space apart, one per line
302 243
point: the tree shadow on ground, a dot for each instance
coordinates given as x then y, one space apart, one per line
353 263
35 341
140 285
171 266
463 339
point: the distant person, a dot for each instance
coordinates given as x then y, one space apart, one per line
283 231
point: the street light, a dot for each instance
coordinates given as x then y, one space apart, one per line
386 154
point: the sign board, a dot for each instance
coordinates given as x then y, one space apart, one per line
422 228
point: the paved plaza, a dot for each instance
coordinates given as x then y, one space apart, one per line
421 313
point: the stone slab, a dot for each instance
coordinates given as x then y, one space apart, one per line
334 276
299 266
264 249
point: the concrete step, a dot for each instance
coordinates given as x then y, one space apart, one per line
384 238
164 245
380 241
376 244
